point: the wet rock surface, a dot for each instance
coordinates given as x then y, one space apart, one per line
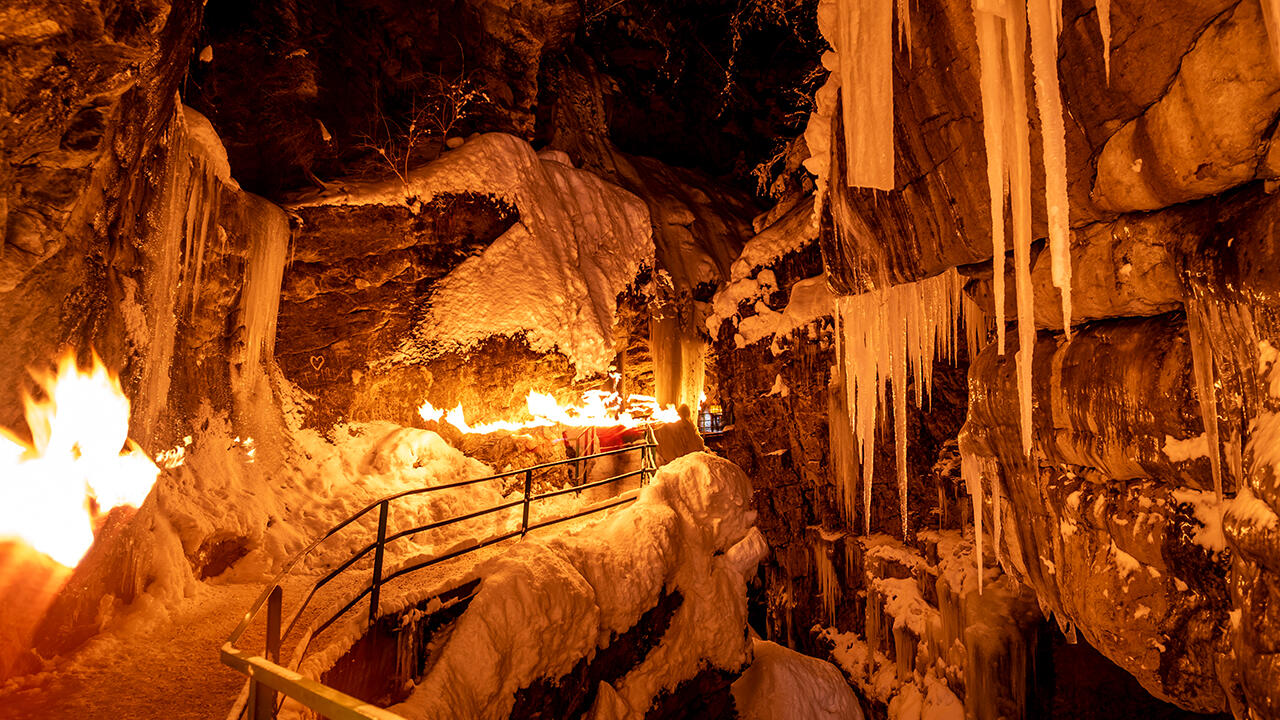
89 92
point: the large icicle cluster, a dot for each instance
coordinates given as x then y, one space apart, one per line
893 333
1002 43
1002 27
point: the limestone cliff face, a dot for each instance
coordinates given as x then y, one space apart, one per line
89 95
1168 175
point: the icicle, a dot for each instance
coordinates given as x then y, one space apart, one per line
1104 26
260 300
1271 19
893 334
995 514
993 79
865 45
1202 360
975 327
899 312
904 26
840 425
1044 20
828 586
1020 199
971 473
914 344
1008 140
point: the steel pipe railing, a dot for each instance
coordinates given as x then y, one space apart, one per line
267 678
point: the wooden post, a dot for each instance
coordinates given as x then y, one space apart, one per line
376 587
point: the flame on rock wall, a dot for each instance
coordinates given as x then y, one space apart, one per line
78 465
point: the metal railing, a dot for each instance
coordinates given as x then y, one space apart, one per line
267 676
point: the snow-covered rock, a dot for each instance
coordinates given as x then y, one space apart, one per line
549 603
782 684
552 277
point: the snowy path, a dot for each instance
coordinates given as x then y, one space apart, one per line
169 667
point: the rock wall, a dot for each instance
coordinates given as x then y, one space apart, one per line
89 97
1112 518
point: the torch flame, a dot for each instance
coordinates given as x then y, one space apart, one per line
79 464
597 409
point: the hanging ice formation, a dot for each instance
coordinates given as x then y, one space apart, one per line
973 468
892 333
1044 18
1001 31
840 430
828 585
1271 19
1002 27
904 26
264 271
864 40
1104 26
976 330
995 103
1206 392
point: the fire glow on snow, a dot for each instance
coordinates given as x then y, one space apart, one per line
75 468
598 409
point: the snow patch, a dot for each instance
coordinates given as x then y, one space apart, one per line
1184 450
1208 511
1250 509
202 138
782 684
547 603
779 388
553 277
791 232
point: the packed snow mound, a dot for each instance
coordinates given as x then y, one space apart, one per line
551 601
327 478
203 139
811 300
782 684
789 233
553 277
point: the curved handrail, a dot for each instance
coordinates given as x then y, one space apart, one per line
331 703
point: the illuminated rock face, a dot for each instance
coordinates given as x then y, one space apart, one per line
1168 182
89 97
1112 523
1103 522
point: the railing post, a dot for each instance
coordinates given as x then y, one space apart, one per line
274 602
528 490
648 460
377 563
262 699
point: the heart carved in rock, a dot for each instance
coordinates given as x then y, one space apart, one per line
317 362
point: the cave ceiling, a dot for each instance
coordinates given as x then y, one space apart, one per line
304 92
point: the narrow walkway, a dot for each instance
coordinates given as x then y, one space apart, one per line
167 666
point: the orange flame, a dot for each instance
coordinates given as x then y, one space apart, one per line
79 464
597 409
